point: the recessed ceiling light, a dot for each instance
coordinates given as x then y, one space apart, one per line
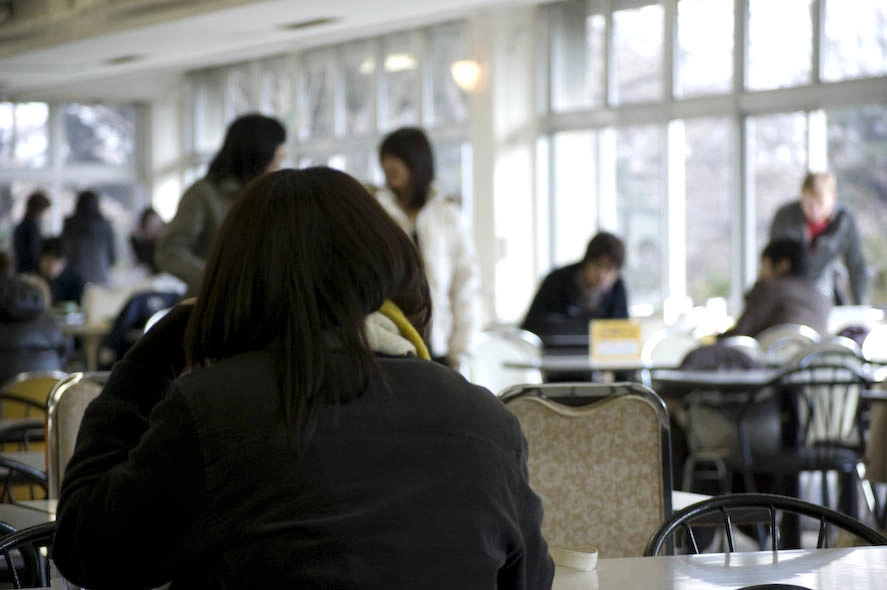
305 24
123 59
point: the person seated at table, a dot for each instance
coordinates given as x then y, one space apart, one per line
784 293
64 282
300 438
587 290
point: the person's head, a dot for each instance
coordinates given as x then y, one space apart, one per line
87 204
818 196
253 145
150 224
37 204
53 258
302 258
408 163
603 261
783 258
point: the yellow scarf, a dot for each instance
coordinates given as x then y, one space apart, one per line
393 313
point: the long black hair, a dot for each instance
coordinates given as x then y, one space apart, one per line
249 146
302 258
87 204
411 146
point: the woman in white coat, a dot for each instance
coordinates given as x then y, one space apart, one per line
442 236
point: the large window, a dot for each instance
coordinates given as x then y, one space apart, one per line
693 176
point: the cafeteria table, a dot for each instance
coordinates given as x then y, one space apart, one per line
859 568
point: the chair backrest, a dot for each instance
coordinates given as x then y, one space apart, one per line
493 348
764 509
32 385
67 403
835 350
602 470
874 347
783 342
667 347
746 344
31 570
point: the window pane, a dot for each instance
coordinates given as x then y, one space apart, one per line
401 82
573 204
99 134
705 47
317 85
639 189
708 208
23 135
359 74
777 156
780 43
637 54
578 42
446 45
449 179
857 148
855 43
277 89
209 111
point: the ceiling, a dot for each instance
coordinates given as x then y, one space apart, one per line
137 49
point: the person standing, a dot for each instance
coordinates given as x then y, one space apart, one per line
89 240
830 233
27 240
442 236
253 145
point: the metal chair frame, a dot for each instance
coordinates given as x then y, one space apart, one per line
773 503
774 337
35 566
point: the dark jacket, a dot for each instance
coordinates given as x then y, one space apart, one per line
556 309
783 300
67 286
418 484
840 240
26 243
30 338
90 247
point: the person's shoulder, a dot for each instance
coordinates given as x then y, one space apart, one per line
562 273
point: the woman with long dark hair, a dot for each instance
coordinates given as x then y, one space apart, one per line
89 240
308 443
253 145
439 231
27 239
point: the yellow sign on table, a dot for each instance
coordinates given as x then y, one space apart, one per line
615 340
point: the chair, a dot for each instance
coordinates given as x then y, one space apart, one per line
130 323
821 428
493 348
836 350
665 347
603 469
67 403
874 347
31 570
730 510
783 342
746 344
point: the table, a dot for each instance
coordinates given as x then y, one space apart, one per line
861 568
554 363
50 505
20 517
90 335
721 379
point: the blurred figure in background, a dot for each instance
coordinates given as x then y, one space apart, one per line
829 232
591 289
65 283
143 239
253 145
440 233
27 239
784 293
89 240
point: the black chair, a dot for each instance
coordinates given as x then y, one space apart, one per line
26 566
732 510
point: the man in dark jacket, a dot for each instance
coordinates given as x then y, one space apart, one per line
829 232
590 289
26 239
30 338
64 282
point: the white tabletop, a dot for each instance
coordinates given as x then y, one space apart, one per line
722 379
862 568
579 362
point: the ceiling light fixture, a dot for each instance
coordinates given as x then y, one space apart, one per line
466 74
400 62
305 24
120 60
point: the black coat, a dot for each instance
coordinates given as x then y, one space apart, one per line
90 247
419 483
26 243
30 338
557 306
